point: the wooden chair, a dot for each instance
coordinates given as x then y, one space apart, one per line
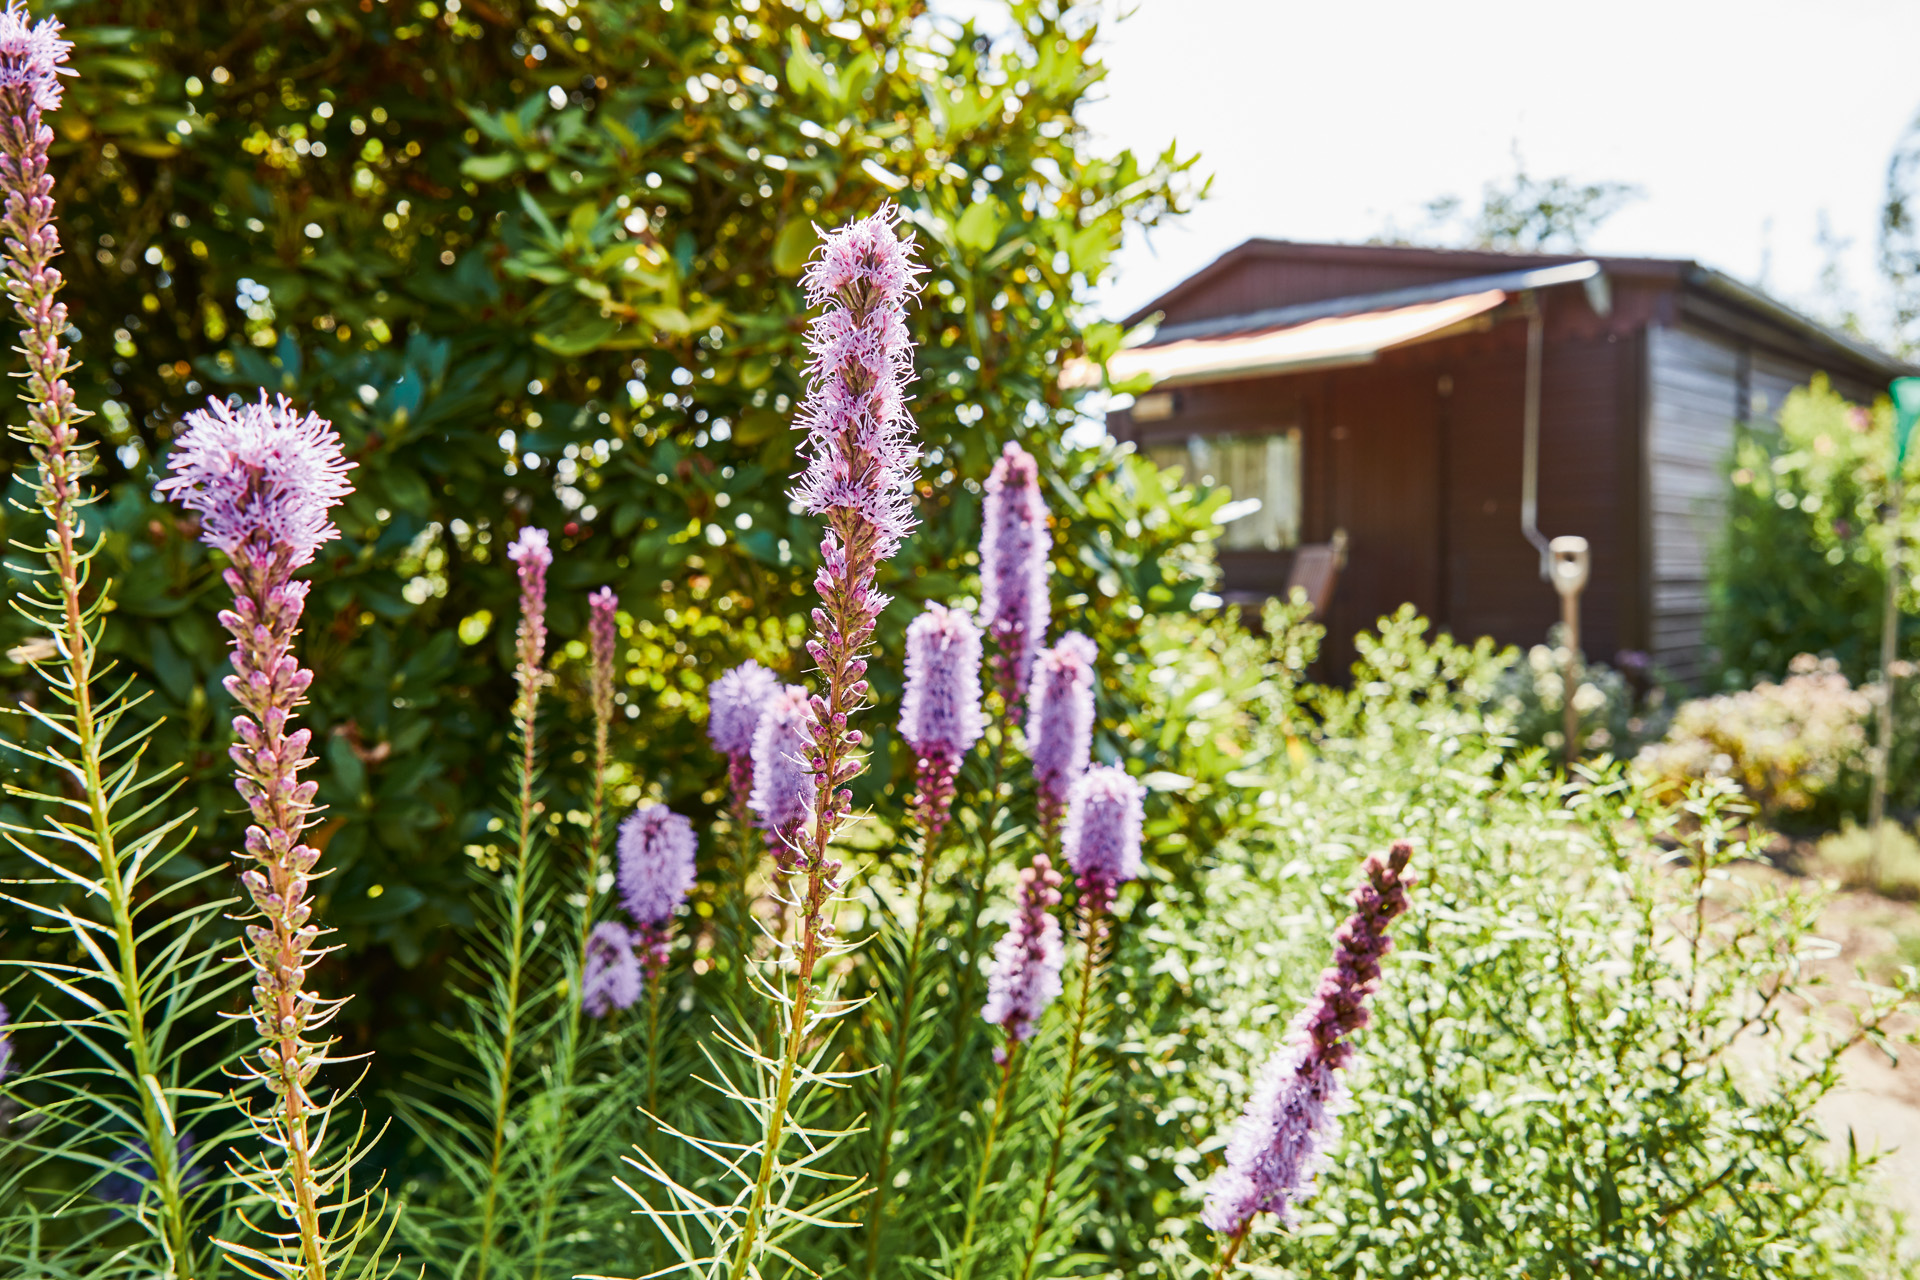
1316 570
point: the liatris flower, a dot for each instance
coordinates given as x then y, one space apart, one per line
1281 1143
1102 835
734 704
782 787
656 874
33 57
1014 550
940 711
132 1170
611 978
531 559
1025 975
32 60
861 465
6 1044
603 631
262 479
1060 722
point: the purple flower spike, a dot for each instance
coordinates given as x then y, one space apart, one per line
1281 1143
531 559
6 1044
860 451
262 478
1060 722
1025 975
940 712
1014 564
782 783
861 465
33 57
603 631
611 979
655 875
1102 835
734 704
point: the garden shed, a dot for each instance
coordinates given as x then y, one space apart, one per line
1381 399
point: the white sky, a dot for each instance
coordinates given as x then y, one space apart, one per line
1743 122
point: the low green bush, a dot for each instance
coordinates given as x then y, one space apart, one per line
1886 861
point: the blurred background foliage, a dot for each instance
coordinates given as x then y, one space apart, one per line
537 263
1802 565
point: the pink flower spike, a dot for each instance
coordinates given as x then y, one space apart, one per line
262 478
1059 722
782 780
1025 976
1015 551
603 631
611 978
656 863
33 57
734 704
1282 1141
940 711
1102 836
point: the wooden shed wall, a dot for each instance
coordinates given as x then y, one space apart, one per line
1417 457
1701 382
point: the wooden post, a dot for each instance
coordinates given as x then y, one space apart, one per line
1571 567
1889 652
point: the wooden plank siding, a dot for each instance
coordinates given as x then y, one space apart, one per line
1417 454
1695 384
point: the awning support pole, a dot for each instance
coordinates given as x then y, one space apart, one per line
1530 435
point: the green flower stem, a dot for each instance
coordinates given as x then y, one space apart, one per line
1225 1265
966 1002
1000 1100
1089 979
569 1049
656 995
34 285
529 703
897 1064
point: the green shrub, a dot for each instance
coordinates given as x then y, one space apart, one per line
547 288
1555 1083
1614 716
1798 748
1887 861
1801 565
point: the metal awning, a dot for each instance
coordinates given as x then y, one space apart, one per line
1316 344
1324 334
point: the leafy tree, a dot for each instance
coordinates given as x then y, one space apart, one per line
536 262
1524 213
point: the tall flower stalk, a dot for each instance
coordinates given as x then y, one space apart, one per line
860 468
734 706
103 810
531 557
1024 981
1014 566
1060 725
1281 1142
940 720
1105 814
262 479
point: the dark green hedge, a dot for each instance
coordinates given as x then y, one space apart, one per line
542 269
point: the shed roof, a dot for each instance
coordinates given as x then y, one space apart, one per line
1454 272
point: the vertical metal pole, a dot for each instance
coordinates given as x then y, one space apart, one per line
1570 564
1889 652
1530 433
1570 715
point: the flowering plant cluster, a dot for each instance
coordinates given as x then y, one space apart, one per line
921 986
